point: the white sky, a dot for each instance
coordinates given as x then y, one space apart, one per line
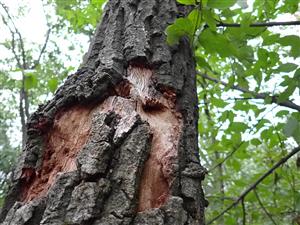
33 27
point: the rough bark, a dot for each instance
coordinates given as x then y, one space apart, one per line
118 142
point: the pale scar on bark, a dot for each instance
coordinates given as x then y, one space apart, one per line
135 95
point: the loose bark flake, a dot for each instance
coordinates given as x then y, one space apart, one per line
118 142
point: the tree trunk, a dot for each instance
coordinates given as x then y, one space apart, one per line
118 142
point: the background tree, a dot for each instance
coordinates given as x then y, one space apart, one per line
29 73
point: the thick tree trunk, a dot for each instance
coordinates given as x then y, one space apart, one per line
118 142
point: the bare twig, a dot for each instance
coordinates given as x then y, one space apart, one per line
217 154
13 42
274 98
263 207
226 157
260 24
37 62
244 211
257 182
235 148
17 32
21 62
22 117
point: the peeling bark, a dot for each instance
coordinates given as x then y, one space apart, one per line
118 142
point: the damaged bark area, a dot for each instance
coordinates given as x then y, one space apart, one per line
63 141
158 109
118 142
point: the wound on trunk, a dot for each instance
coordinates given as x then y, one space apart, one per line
159 111
62 143
135 95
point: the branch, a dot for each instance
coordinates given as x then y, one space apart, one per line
260 24
13 45
257 182
37 62
274 98
263 207
22 118
17 32
244 211
235 148
226 157
23 109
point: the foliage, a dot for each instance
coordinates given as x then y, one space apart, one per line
29 73
82 16
248 79
8 153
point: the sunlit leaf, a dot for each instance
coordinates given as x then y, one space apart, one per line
181 27
52 84
286 67
187 2
30 81
220 4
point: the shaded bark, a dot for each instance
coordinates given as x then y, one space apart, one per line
118 142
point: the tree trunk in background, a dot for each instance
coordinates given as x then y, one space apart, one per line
118 142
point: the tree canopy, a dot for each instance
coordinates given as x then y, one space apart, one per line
247 55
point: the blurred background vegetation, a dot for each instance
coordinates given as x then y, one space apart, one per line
248 87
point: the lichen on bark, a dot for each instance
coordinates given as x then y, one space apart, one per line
118 142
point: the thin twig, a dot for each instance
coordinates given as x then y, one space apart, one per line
17 32
263 207
274 98
260 24
37 62
244 211
226 157
257 182
23 109
235 148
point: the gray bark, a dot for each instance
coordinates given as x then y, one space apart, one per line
101 176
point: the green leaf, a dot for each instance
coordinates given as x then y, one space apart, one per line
217 43
52 84
297 78
294 42
218 102
195 18
287 92
209 19
187 2
262 123
282 113
287 67
292 129
236 165
30 81
246 53
289 40
201 62
263 56
238 127
271 39
220 4
181 27
268 100
256 142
